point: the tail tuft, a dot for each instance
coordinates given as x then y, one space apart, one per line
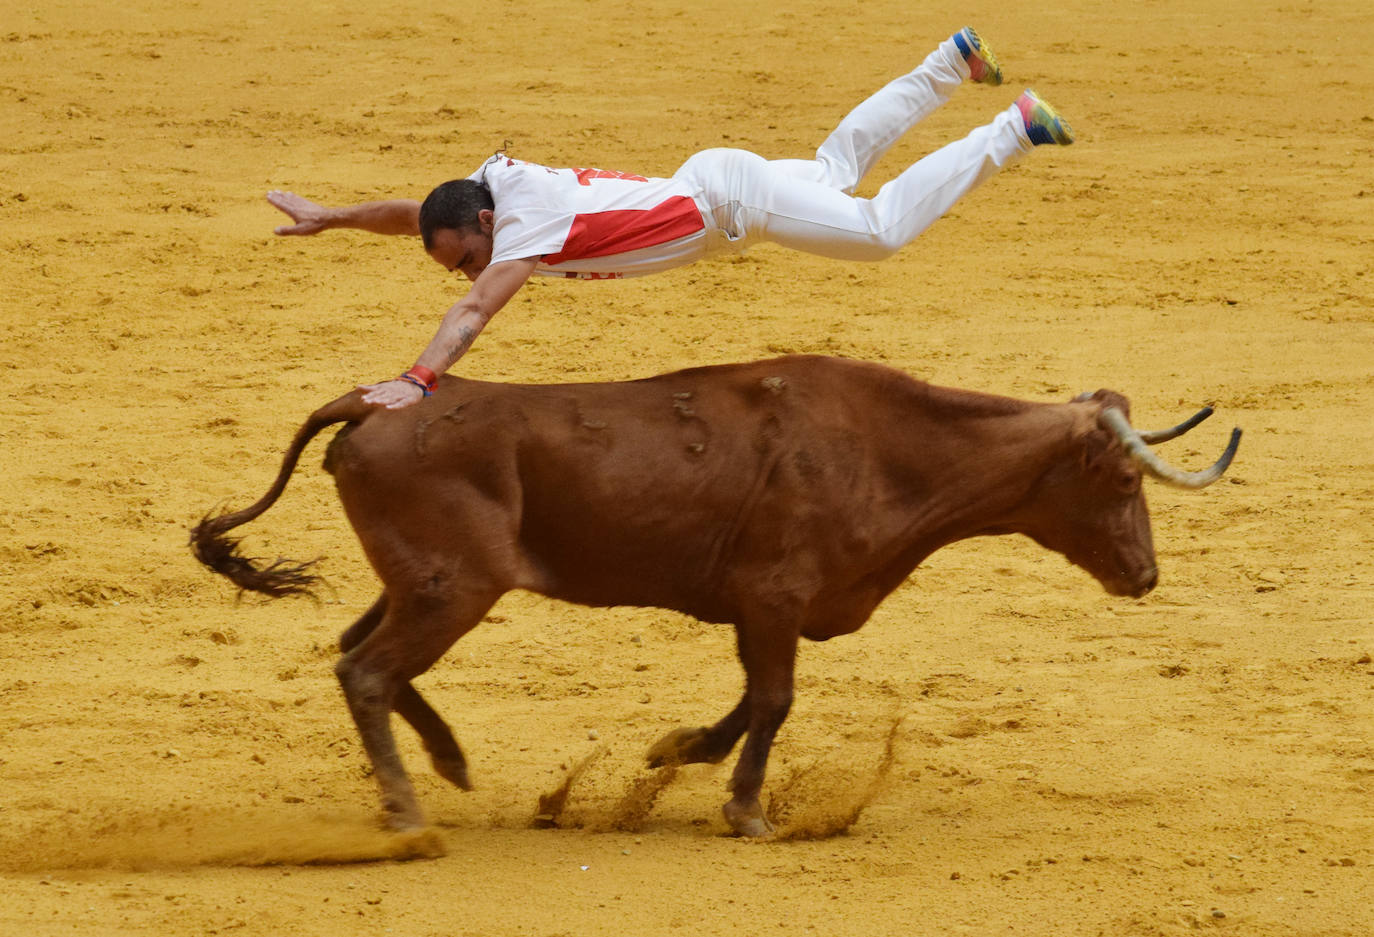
210 540
217 550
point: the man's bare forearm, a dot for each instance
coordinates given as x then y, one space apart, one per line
391 216
466 318
459 329
461 325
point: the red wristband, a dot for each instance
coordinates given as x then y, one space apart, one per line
415 382
425 376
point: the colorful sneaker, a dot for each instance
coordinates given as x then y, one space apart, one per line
982 64
1043 123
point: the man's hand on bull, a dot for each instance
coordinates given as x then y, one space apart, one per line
309 217
393 395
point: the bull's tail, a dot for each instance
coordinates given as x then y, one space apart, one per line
216 549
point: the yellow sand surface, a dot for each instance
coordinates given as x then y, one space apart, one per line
1004 749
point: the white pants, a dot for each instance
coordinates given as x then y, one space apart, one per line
807 205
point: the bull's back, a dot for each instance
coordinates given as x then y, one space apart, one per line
648 492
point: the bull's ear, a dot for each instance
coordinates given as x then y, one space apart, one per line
1094 446
1103 459
1108 398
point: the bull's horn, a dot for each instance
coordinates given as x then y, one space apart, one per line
1159 435
1140 451
1164 435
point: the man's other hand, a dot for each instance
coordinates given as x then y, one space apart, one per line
309 217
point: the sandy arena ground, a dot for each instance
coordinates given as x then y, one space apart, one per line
1004 749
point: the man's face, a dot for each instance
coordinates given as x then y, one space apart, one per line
465 250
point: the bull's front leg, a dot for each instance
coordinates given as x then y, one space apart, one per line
768 653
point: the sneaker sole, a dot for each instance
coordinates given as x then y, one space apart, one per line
973 48
1045 124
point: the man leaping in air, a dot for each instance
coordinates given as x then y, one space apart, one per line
512 219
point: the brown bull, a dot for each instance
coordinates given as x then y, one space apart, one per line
785 497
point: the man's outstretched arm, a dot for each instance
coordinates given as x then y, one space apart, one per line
391 216
463 322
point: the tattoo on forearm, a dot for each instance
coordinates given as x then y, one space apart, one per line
466 336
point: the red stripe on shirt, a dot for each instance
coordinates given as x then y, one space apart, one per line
599 234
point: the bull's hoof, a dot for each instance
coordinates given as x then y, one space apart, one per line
453 770
417 844
399 820
746 818
676 748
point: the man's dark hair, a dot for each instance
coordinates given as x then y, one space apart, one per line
455 205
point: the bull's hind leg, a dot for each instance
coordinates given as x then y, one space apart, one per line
366 624
444 751
769 656
413 630
708 744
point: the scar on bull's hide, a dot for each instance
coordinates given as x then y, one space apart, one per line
680 405
587 422
453 415
421 427
686 413
774 385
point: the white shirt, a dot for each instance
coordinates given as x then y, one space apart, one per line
590 223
